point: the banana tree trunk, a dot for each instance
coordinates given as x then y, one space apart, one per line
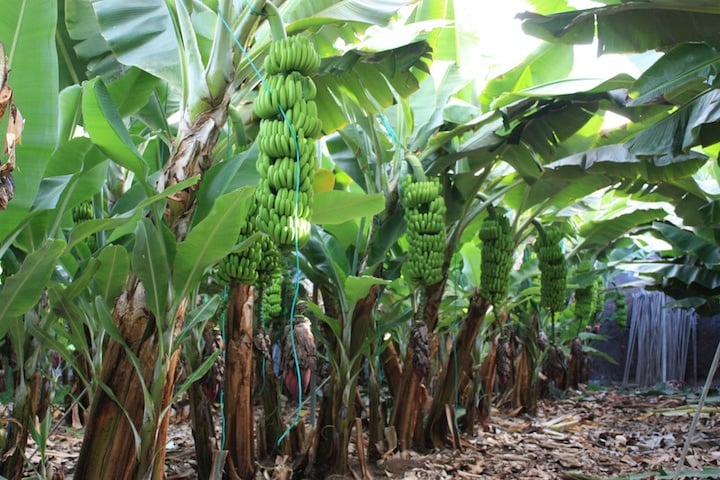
273 422
407 411
238 404
406 404
26 407
337 412
203 430
392 368
109 448
333 432
458 362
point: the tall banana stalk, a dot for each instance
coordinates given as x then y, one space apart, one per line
143 356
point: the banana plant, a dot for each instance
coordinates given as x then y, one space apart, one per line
198 79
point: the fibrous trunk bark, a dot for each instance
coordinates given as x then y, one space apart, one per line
26 407
392 368
337 411
487 381
458 361
203 430
238 404
109 447
407 408
273 424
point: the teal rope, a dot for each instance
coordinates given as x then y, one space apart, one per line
253 10
296 289
391 132
296 281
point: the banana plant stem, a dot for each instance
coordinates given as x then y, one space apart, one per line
274 18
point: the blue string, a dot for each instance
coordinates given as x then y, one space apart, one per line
253 9
391 132
296 280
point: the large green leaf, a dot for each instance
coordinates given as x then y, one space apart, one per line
357 288
70 111
546 64
301 14
326 259
557 193
198 316
91 49
389 230
369 80
64 190
112 272
27 30
429 116
106 128
336 206
210 240
133 90
677 76
472 257
141 34
695 123
225 177
542 124
687 274
633 26
688 242
150 264
603 232
618 162
21 291
125 222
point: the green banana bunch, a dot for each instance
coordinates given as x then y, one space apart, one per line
425 230
272 298
238 268
292 54
620 309
82 213
599 295
304 116
288 127
585 297
415 194
496 255
283 92
283 172
553 269
268 266
241 267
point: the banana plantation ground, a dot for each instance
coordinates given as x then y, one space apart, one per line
592 433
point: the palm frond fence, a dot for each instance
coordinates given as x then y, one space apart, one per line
660 340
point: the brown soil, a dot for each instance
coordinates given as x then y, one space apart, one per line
592 435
